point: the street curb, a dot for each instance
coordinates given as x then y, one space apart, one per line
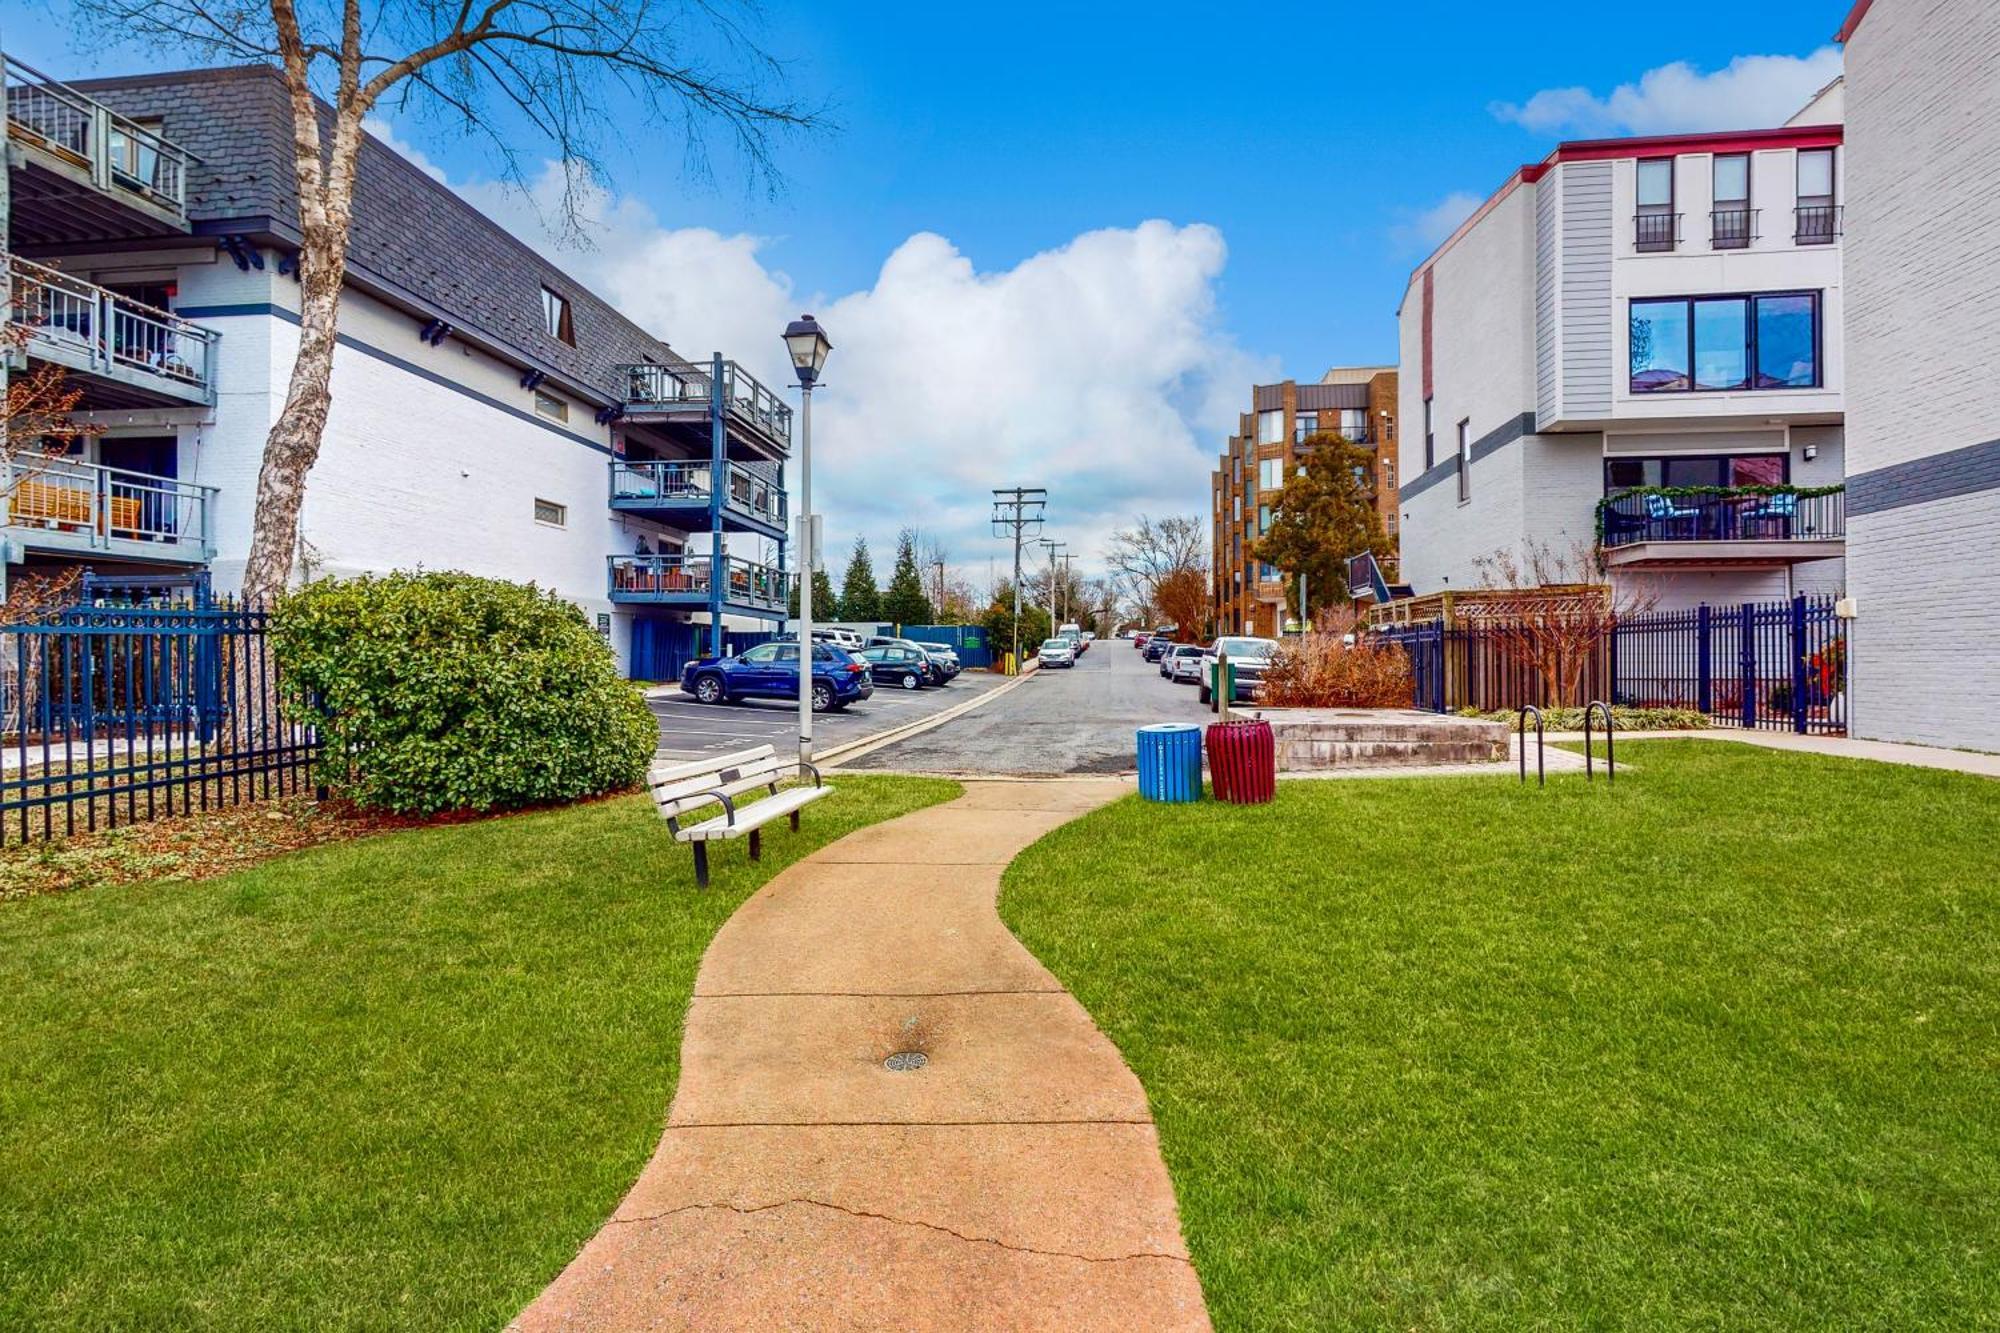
867 744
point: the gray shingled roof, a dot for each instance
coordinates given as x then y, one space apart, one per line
412 236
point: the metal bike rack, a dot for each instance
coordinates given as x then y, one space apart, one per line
1610 762
1541 771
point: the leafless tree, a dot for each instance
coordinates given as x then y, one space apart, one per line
1145 556
1549 608
569 69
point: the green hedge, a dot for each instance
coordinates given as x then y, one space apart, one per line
443 691
1626 719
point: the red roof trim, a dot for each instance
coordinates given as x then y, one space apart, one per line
1854 17
1726 141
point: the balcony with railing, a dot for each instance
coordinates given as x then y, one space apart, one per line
143 356
88 172
759 421
1732 228
1655 232
689 580
678 493
62 505
1732 526
1816 224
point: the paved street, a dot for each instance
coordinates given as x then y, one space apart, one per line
690 730
1058 722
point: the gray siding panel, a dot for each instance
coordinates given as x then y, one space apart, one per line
1585 288
1548 399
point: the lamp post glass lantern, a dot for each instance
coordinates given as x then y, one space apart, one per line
807 343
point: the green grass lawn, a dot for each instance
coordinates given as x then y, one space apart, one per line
1717 1047
392 1083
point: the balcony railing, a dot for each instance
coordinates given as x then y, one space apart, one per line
672 484
1732 228
1656 231
67 504
1358 435
690 578
656 387
120 154
1816 224
87 327
1724 515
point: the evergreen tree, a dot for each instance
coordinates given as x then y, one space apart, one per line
826 602
905 602
1325 513
860 599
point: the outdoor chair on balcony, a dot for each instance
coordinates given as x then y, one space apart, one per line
1779 510
1662 512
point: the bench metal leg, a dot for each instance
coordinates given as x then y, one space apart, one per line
795 821
756 844
701 865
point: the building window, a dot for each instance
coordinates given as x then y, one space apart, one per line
1236 508
1465 460
1263 519
1271 474
1388 472
1305 427
1354 424
1270 428
1391 525
1268 573
550 406
1621 474
1430 440
1818 213
1730 225
1711 343
555 317
1655 224
551 513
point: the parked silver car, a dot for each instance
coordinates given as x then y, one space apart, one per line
1248 659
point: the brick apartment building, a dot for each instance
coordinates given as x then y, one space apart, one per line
1358 402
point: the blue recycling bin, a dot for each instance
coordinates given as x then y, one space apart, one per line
1170 762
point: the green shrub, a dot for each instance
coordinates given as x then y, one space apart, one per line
1627 719
444 691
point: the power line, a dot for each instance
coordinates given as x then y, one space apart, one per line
1017 512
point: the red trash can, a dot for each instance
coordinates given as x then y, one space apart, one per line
1243 762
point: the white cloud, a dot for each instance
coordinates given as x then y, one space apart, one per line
1096 369
1424 229
1751 92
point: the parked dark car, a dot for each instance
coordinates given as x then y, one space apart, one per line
942 669
771 671
892 664
1157 646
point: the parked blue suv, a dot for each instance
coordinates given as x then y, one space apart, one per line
771 671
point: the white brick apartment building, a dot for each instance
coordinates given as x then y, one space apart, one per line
1652 325
1923 271
489 413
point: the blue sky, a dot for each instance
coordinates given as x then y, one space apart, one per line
1304 157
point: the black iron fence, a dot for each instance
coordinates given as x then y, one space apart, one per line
115 715
1770 665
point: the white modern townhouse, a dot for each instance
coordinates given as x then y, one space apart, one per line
1637 341
490 414
1923 458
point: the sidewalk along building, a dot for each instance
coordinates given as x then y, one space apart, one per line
490 413
1272 440
1636 343
1923 456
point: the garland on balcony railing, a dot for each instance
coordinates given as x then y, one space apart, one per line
1707 493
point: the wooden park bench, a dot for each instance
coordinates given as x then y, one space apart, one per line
681 788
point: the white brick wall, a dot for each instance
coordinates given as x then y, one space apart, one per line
1923 267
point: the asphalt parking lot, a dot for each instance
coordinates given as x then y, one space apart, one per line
691 730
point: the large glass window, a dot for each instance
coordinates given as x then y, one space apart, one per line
1270 428
1725 342
1354 423
1696 470
1787 342
1659 346
1272 472
1721 344
1305 427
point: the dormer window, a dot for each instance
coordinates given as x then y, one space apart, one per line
556 318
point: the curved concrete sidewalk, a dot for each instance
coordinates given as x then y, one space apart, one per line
1014 1182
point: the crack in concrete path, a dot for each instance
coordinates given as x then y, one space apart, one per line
748 1210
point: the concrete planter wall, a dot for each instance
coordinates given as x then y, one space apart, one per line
1310 739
